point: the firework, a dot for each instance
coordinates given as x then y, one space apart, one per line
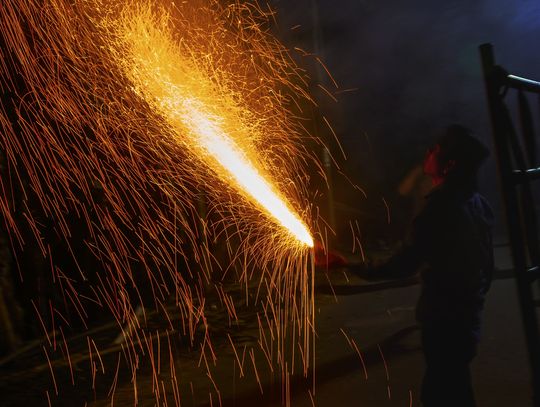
155 146
196 104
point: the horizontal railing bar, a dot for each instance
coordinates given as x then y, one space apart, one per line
533 273
523 83
520 176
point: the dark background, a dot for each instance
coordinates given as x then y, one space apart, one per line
404 70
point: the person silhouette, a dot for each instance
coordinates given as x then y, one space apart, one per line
451 247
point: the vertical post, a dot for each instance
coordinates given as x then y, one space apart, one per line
527 200
512 210
527 128
327 160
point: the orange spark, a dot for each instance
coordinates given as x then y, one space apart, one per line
178 88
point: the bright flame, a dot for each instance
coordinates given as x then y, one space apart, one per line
180 100
210 136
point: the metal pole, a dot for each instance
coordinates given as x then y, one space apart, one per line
327 160
512 209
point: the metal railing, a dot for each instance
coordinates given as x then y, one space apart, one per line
518 167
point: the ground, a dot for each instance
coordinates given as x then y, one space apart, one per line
358 324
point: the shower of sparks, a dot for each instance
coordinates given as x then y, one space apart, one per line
176 86
154 170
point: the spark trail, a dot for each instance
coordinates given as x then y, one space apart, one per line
151 68
116 118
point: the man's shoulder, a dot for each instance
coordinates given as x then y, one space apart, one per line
478 207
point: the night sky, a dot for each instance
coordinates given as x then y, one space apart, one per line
412 68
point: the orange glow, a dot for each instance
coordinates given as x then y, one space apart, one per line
157 155
176 87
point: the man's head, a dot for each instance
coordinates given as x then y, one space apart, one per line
457 156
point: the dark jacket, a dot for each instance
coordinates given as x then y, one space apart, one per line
451 246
